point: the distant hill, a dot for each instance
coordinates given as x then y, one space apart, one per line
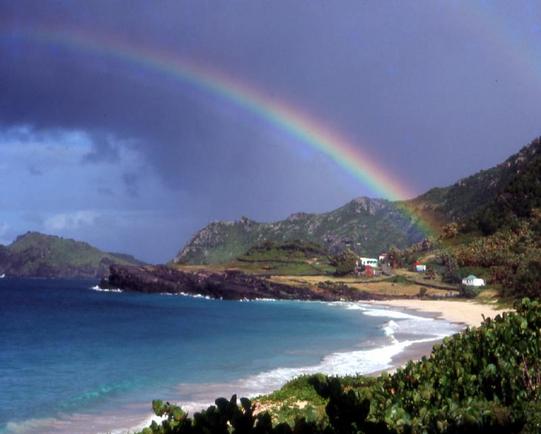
369 226
366 226
38 255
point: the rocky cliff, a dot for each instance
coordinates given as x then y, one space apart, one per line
227 285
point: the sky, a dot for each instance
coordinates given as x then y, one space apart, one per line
117 153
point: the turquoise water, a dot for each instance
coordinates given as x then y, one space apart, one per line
69 353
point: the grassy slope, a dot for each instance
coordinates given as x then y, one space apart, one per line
40 255
366 226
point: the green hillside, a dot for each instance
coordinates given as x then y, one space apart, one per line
488 201
287 258
38 255
489 189
366 226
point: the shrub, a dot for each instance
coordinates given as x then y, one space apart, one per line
344 263
470 291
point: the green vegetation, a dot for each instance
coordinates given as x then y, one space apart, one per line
490 226
286 258
296 399
511 187
506 231
366 226
344 262
484 380
39 255
519 199
510 257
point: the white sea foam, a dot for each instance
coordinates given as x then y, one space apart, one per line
365 361
185 294
389 329
340 363
100 289
417 329
387 313
140 426
246 300
83 423
29 425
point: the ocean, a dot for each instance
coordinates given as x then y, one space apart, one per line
74 359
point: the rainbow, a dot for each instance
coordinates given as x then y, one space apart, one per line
279 114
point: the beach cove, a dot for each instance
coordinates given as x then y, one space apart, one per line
126 352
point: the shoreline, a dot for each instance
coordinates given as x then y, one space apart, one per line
415 350
409 346
462 312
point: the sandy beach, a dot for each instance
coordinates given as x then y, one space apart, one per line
464 312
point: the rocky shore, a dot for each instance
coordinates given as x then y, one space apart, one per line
227 285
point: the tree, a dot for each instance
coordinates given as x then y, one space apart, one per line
344 262
449 231
450 274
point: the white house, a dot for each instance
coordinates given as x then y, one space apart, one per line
420 268
373 262
472 280
382 257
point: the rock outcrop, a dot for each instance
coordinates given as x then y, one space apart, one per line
227 285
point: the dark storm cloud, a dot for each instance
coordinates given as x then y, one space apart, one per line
422 87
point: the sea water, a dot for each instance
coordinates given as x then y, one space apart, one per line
76 359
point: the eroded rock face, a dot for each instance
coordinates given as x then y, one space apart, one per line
228 285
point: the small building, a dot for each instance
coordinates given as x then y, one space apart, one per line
373 262
472 280
369 271
382 257
418 267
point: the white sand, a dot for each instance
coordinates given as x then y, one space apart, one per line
469 313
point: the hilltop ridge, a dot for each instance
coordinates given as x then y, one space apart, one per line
365 225
34 254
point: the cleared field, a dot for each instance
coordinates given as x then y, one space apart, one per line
383 286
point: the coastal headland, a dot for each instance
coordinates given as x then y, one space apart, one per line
227 285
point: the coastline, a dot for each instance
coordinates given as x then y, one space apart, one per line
404 344
463 312
397 353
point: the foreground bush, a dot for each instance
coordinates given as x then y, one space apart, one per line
484 380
